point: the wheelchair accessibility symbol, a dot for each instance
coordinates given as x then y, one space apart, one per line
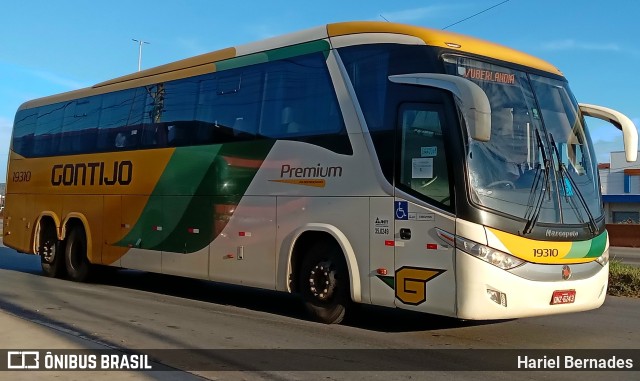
402 210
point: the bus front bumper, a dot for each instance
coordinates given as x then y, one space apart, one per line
487 292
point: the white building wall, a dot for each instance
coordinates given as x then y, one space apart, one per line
612 183
619 163
635 185
612 179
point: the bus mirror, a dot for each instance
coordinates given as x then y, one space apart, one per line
621 121
472 99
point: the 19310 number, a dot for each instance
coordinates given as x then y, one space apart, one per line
542 253
21 176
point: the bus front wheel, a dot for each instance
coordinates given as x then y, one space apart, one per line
75 254
324 283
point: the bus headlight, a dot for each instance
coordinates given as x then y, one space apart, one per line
495 257
604 258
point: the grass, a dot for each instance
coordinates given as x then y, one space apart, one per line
624 280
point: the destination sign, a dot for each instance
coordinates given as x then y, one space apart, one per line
488 75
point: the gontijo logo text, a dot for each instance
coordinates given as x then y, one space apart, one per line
308 176
95 173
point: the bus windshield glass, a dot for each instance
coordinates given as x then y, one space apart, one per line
539 164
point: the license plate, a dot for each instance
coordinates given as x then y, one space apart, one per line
563 297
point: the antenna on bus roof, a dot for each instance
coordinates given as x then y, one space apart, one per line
472 16
384 18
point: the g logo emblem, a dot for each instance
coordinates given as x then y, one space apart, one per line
411 284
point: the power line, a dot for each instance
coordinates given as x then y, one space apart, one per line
472 16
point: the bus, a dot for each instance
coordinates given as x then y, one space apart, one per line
356 162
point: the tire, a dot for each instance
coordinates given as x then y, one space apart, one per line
75 255
51 253
324 266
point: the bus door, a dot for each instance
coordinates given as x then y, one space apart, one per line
423 203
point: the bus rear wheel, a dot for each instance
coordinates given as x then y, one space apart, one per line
75 254
324 283
50 251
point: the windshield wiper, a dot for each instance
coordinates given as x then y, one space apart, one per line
533 209
564 173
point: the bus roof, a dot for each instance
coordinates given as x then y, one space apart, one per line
445 39
207 63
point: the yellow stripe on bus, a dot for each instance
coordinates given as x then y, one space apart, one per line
536 251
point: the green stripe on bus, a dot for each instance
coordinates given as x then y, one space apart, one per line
597 245
579 249
274 55
196 196
183 174
388 280
588 249
217 197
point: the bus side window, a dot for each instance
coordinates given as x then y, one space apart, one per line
24 131
116 108
48 129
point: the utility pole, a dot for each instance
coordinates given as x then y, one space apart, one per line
140 42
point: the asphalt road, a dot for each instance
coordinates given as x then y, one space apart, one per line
135 310
627 255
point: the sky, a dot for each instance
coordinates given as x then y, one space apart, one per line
48 47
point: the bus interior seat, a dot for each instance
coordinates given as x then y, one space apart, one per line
290 120
502 122
177 136
239 126
204 134
121 140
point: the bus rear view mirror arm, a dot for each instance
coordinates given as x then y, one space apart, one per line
471 98
621 121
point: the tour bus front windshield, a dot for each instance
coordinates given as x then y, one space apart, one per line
539 164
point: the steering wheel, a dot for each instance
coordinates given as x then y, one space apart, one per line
505 184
